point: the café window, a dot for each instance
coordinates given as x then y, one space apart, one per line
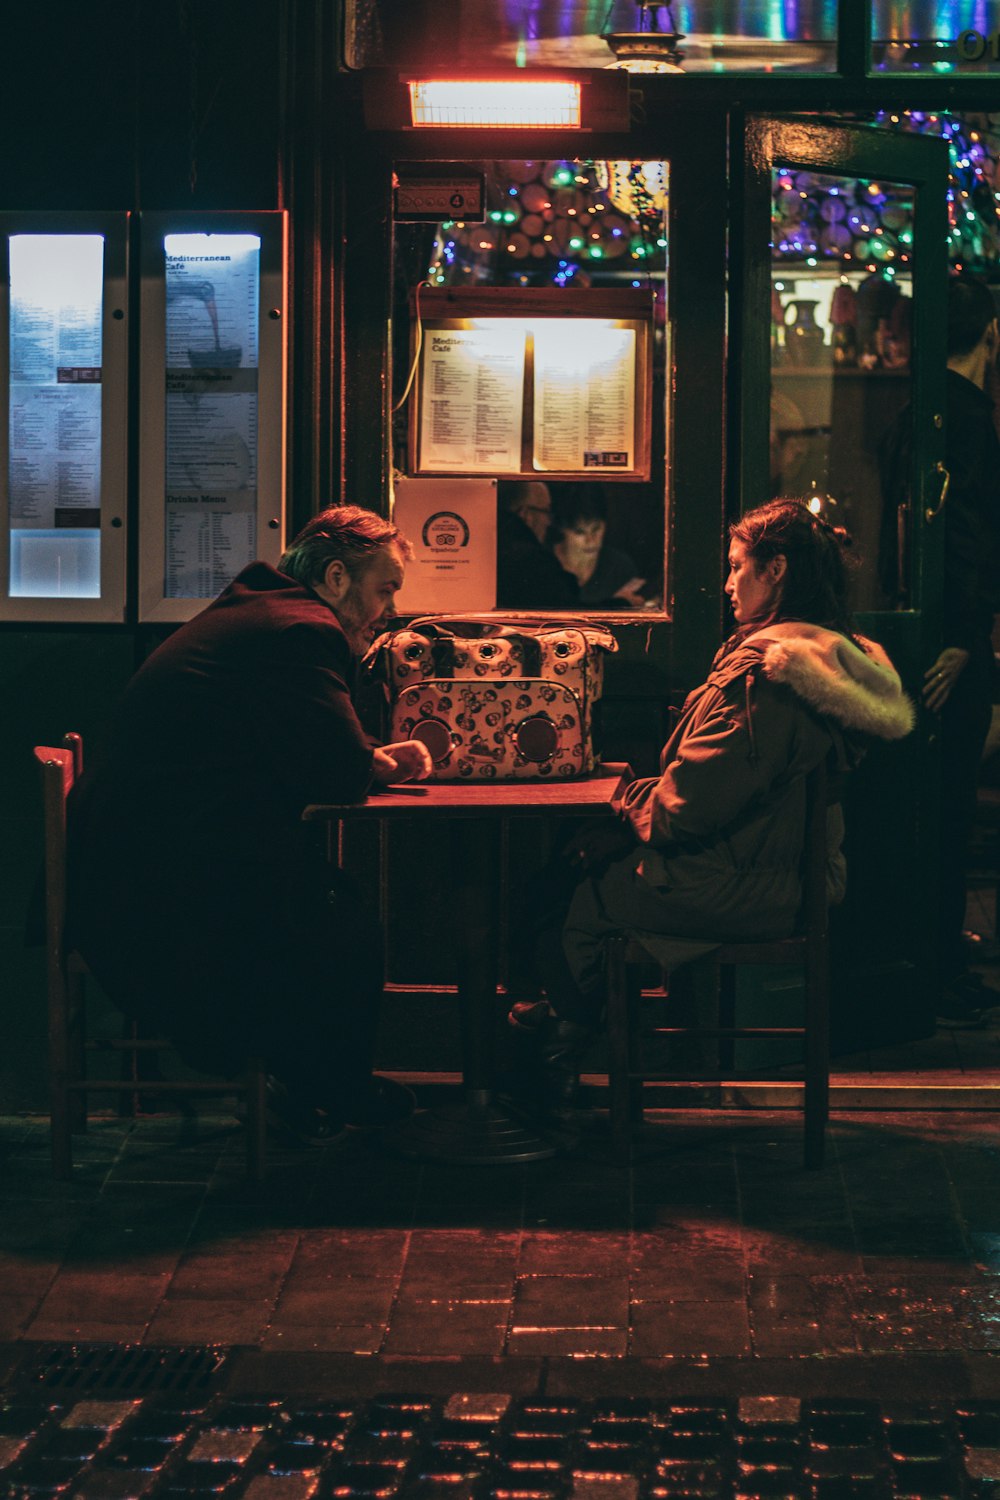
530 354
939 38
728 37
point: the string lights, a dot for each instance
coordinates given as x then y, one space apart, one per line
559 221
868 225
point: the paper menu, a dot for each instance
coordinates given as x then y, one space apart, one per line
584 406
472 407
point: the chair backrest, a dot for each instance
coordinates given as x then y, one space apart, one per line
59 769
814 918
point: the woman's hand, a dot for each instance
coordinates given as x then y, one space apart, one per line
410 760
942 676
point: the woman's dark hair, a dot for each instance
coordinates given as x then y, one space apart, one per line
816 579
346 533
573 504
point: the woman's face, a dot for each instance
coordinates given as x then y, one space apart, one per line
753 591
584 539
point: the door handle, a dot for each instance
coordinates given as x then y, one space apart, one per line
931 512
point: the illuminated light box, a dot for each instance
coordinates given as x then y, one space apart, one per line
528 103
212 469
574 101
532 383
63 450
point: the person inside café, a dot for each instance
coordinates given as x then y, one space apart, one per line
529 576
960 683
710 849
197 895
607 576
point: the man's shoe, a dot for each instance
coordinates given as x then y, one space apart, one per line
384 1102
296 1123
960 1007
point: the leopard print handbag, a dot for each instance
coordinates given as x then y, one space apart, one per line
495 700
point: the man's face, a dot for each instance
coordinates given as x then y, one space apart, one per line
363 603
536 510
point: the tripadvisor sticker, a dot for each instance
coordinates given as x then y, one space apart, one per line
444 531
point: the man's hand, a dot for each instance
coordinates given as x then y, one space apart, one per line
410 760
942 676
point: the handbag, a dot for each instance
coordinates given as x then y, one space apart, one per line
495 700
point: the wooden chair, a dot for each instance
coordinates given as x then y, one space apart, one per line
807 948
69 1082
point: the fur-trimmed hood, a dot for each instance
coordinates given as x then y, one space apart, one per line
859 688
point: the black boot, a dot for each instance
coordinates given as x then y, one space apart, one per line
552 1051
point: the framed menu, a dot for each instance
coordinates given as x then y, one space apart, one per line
515 382
63 416
212 461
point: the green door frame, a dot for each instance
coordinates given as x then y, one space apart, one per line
889 923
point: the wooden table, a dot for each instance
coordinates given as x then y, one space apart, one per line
479 1129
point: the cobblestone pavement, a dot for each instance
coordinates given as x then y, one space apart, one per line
470 1445
711 1322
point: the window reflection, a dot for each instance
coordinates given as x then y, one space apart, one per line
567 545
950 37
841 319
558 224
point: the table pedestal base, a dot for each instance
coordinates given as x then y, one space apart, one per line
475 1133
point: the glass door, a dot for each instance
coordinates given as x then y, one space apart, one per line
843 339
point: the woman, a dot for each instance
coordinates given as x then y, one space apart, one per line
714 842
607 576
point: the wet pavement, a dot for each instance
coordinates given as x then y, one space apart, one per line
712 1320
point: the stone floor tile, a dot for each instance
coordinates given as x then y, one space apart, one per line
352 1300
787 1252
469 1254
579 1342
451 1328
599 1253
671 1329
571 1301
664 1267
87 1330
120 1298
338 1252
27 1275
16 1311
318 1338
199 1320
796 1315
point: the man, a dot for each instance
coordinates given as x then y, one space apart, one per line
528 574
198 897
958 685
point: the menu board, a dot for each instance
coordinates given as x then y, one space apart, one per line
584 396
212 316
54 420
523 381
473 379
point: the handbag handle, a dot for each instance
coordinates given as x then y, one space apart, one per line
513 627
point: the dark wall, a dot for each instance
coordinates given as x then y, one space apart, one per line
128 104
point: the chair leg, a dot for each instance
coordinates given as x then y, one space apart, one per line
60 1107
816 1104
75 1052
619 1054
727 1017
256 1120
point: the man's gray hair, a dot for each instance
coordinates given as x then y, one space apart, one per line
344 533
